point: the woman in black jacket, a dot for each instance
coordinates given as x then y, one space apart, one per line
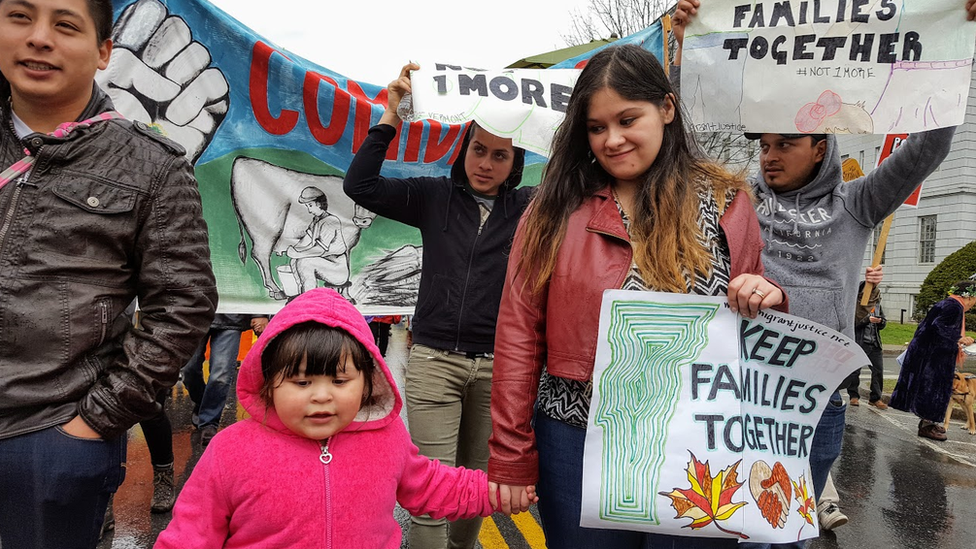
467 222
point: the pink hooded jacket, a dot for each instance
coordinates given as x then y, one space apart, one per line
260 485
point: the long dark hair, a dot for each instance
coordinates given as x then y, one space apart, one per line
664 230
460 176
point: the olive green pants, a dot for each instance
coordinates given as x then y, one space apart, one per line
449 415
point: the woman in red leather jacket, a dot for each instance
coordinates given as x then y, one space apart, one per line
627 202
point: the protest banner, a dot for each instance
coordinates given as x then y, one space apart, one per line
261 126
701 420
526 105
830 66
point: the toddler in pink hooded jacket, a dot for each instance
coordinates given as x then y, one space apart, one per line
324 456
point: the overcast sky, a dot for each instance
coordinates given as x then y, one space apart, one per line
369 40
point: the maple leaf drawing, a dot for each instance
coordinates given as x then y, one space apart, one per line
808 505
709 500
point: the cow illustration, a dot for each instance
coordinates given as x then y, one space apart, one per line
267 199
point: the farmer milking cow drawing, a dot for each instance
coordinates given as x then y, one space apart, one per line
303 216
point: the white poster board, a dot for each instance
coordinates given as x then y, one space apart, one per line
526 105
830 66
701 420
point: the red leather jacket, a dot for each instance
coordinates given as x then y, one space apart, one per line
595 255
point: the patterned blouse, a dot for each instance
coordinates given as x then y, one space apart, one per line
568 400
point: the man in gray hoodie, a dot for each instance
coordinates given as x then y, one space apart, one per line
816 228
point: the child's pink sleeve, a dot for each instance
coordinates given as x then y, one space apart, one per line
427 486
201 517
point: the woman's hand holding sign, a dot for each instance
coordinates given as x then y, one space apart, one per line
750 293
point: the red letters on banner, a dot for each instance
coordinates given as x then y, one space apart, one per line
326 135
354 99
260 61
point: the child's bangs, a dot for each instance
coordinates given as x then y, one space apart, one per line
327 352
323 348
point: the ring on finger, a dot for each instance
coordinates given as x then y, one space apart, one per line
759 292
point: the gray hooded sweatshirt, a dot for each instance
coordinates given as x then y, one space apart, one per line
815 236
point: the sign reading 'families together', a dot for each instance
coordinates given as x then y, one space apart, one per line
702 420
828 66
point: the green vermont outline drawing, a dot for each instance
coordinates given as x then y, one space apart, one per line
670 336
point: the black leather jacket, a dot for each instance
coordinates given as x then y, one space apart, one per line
108 213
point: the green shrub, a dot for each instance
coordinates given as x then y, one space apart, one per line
959 265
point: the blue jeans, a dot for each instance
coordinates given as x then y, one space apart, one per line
54 488
827 441
560 491
824 449
211 396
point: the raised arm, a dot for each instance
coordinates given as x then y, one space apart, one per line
877 195
395 91
398 199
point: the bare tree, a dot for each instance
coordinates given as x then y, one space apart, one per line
731 149
603 19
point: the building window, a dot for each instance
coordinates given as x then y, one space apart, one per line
860 159
877 155
844 157
874 246
927 227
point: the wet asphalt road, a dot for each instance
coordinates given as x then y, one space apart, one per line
899 490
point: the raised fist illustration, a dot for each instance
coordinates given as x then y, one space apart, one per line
161 76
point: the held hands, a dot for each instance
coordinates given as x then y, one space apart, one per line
514 499
971 10
749 293
395 92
